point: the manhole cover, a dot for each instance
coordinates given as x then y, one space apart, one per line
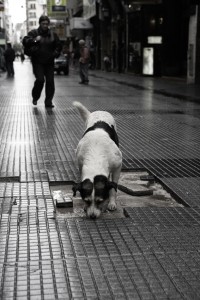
136 189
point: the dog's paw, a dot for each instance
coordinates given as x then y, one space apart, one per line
112 205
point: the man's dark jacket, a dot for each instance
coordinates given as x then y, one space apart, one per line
49 47
9 55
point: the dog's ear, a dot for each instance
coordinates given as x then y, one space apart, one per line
85 188
76 187
112 185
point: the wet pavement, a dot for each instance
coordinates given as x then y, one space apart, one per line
147 251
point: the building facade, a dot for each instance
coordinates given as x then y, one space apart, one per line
145 37
34 9
2 24
148 37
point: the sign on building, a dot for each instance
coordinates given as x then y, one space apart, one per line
56 7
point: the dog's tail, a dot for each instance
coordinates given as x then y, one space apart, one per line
84 112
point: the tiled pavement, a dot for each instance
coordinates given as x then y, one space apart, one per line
151 253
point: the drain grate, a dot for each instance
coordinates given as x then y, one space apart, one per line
172 168
131 164
164 216
185 190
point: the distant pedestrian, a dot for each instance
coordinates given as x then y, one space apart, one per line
2 60
17 55
9 55
46 46
22 57
107 63
84 62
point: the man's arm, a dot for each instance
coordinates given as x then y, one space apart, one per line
29 40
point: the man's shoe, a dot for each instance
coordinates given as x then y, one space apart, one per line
34 102
84 82
49 106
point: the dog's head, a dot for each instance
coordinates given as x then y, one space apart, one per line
94 194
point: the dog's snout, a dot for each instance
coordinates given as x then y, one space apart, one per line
93 216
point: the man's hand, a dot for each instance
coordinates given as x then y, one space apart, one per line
38 38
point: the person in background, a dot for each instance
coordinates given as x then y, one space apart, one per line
84 62
17 55
22 57
48 48
9 55
107 63
2 60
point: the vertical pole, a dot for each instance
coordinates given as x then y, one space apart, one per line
127 41
191 51
197 67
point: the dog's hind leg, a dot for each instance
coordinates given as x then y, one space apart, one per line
113 194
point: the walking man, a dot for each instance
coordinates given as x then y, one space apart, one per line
84 62
45 47
9 55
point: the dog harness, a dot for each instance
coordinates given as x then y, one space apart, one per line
109 129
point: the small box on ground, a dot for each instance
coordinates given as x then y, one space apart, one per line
62 201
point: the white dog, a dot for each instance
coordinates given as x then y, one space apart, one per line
99 161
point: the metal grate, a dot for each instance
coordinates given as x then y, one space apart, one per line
172 168
185 190
164 216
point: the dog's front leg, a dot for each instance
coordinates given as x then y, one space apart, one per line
113 194
112 200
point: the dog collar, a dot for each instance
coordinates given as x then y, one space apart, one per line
109 129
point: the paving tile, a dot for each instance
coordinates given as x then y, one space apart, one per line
152 254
